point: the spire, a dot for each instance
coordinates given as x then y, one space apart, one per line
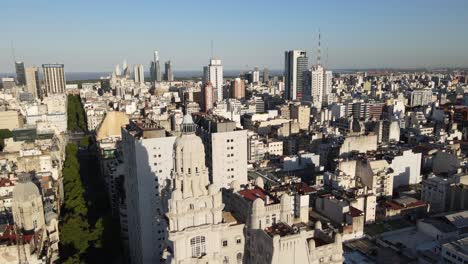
318 49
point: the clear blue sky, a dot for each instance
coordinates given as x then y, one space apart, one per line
96 35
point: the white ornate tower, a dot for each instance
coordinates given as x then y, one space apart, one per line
197 230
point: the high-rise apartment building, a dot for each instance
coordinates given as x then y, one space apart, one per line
168 75
295 64
155 68
148 163
256 75
237 89
32 82
421 97
320 85
266 75
207 94
225 148
54 78
20 73
138 73
213 73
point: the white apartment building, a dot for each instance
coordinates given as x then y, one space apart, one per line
376 175
213 73
320 85
225 148
139 74
406 168
149 161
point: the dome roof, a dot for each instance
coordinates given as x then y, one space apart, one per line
187 120
25 191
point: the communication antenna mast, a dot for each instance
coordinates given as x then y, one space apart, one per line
318 50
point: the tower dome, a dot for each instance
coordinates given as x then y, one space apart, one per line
25 190
27 207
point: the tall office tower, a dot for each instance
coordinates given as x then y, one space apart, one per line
295 64
266 75
321 85
148 163
225 148
169 76
32 81
199 230
207 93
20 74
155 68
256 75
237 89
213 73
54 78
139 74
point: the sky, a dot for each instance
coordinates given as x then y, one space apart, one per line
89 36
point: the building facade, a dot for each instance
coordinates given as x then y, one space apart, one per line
295 64
54 78
213 73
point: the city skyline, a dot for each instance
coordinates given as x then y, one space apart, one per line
354 35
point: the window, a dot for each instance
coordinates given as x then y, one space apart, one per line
238 240
239 258
198 246
191 206
273 219
225 243
226 260
189 171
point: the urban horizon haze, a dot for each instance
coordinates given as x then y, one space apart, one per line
94 36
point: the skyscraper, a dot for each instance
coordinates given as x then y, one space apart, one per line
237 89
139 74
155 68
321 85
54 78
266 75
295 64
32 82
207 94
256 75
20 74
213 73
168 71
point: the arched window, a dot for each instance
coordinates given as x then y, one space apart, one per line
239 258
198 246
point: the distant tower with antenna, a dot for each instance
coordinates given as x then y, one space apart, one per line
318 49
321 80
213 74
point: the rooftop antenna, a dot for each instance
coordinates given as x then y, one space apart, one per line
318 49
326 61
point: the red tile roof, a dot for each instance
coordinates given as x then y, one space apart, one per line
253 194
